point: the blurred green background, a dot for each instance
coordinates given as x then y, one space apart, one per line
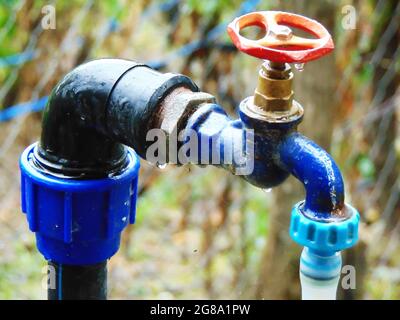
200 232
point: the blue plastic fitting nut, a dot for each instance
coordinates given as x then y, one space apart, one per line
78 222
324 236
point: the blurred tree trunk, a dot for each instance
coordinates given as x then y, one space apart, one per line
381 139
314 89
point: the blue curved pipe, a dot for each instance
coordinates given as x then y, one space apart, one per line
278 152
318 172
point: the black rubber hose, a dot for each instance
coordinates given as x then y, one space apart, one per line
77 282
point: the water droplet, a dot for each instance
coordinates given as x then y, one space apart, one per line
299 66
161 165
267 190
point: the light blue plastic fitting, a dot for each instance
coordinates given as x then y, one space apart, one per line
320 265
78 222
324 237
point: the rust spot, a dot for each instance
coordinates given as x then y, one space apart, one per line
341 211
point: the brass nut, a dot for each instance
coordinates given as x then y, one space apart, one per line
276 70
273 104
274 88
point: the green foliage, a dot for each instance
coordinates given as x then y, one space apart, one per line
7 4
114 9
211 7
365 166
18 277
222 9
365 75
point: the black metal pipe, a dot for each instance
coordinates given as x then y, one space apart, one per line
87 282
98 107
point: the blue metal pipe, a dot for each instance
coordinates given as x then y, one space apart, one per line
318 172
323 223
233 143
278 152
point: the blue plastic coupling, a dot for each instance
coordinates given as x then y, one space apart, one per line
324 236
323 240
78 222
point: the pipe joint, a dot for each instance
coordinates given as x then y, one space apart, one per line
236 147
78 222
98 108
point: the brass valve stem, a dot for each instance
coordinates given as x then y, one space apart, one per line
274 90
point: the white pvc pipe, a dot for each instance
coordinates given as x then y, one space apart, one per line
312 289
319 274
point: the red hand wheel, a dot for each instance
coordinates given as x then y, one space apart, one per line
279 44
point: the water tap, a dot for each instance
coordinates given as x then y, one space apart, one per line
324 224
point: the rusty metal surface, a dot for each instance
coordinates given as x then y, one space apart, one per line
177 107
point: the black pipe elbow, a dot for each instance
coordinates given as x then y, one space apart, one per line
96 109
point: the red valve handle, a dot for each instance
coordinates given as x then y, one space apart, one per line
279 45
